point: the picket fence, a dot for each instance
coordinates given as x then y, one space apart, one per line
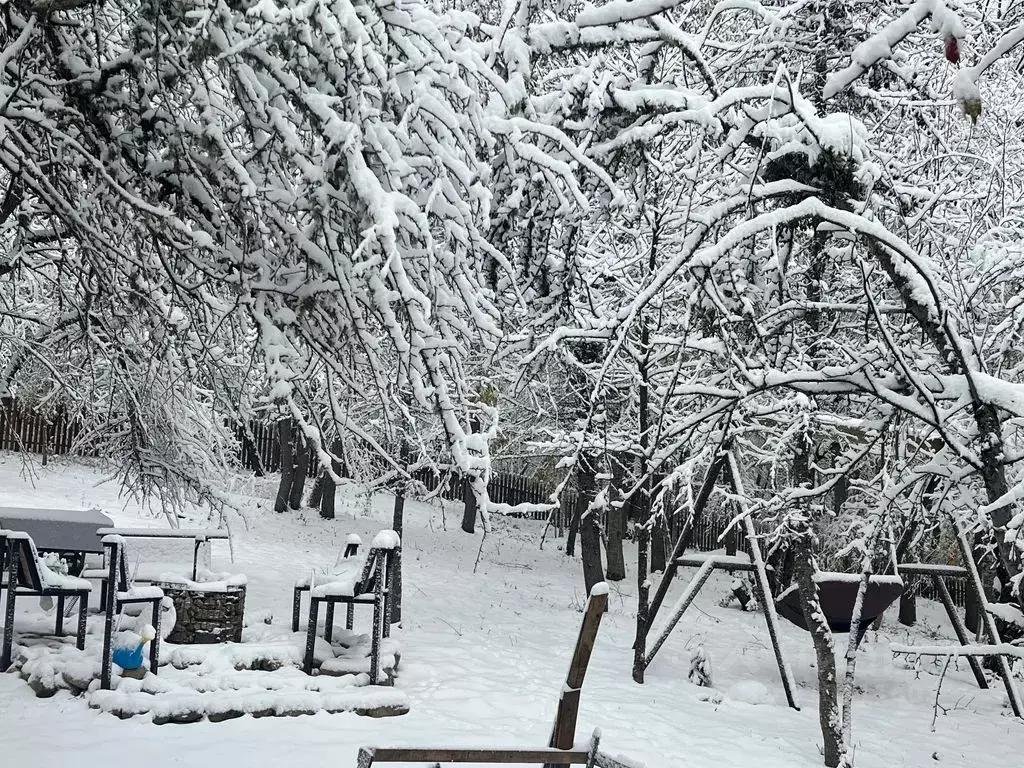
260 451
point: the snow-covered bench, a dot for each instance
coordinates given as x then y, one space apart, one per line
353 582
27 575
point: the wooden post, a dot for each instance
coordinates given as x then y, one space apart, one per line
710 479
378 619
314 609
764 592
563 732
990 625
958 627
12 588
688 596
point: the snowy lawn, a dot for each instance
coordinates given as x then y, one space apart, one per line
484 656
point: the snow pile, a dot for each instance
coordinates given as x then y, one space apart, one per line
261 676
386 540
749 692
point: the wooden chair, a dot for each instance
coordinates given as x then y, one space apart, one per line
352 545
371 588
28 576
118 592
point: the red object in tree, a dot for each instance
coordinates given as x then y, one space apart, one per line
952 50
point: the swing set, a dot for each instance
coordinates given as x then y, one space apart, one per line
837 594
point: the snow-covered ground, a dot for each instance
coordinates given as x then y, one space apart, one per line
485 654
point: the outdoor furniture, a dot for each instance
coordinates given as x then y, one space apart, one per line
352 544
200 537
562 749
351 585
837 595
69 532
119 592
28 576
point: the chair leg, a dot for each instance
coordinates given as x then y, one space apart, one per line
12 589
314 609
350 615
83 612
296 608
329 622
58 624
154 646
103 595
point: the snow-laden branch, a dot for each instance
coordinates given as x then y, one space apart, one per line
880 45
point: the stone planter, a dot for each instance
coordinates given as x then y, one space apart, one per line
207 612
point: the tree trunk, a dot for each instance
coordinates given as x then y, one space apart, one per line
590 526
285 438
616 533
468 506
301 468
824 647
316 493
658 544
327 484
574 524
908 608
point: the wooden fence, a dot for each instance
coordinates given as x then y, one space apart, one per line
260 451
34 433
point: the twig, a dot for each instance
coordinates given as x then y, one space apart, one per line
938 690
480 551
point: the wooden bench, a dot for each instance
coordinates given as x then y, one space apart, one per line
562 748
28 576
548 756
200 537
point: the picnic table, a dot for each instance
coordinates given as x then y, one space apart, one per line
68 532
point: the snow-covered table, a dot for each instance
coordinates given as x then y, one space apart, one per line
57 530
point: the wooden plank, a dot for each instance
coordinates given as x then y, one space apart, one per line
1016 702
563 732
511 755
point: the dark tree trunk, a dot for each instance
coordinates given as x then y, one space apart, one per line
658 544
616 533
285 439
590 525
574 524
469 506
908 608
301 468
327 484
316 493
397 524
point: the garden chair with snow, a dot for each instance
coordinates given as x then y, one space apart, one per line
352 544
27 575
354 584
119 591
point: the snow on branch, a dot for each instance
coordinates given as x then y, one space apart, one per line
620 11
880 45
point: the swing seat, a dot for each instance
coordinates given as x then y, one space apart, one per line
837 594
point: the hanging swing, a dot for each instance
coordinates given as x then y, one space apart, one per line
837 596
